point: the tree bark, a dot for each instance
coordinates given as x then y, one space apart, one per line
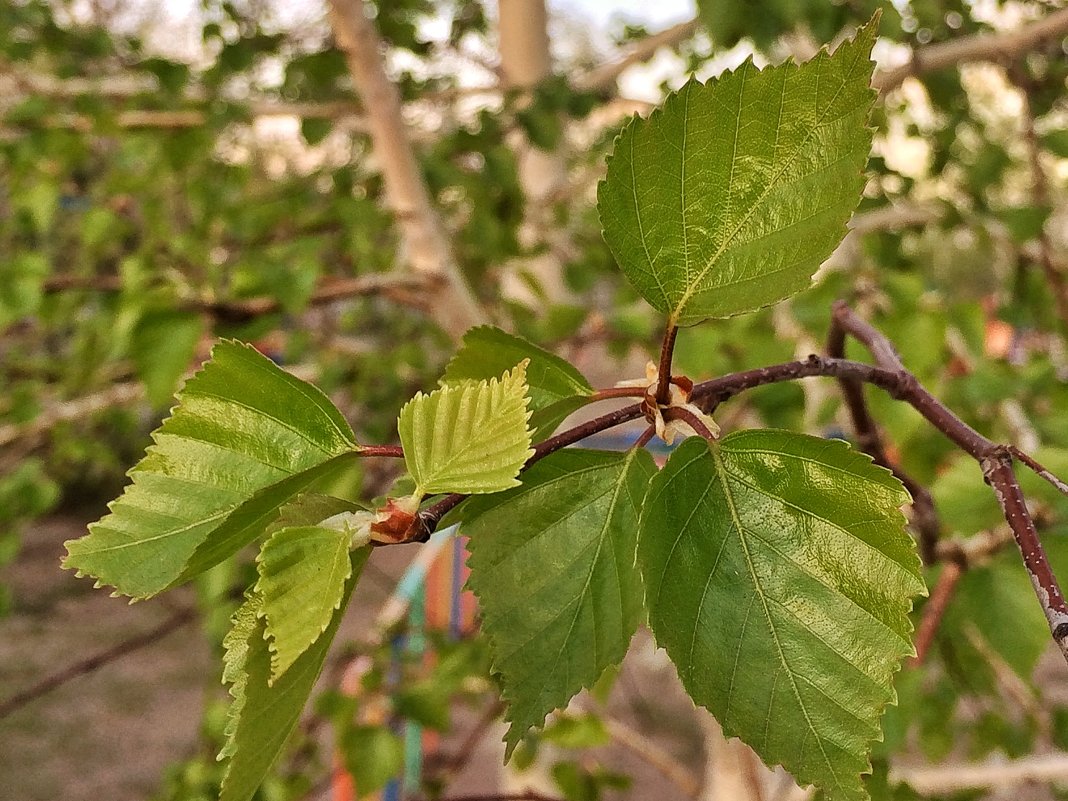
526 61
426 246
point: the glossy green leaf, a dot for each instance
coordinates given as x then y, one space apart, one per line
555 387
729 196
244 438
552 564
469 437
302 575
779 578
262 715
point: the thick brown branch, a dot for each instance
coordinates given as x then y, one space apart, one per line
128 646
979 47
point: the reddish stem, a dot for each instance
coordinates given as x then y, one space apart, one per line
667 350
392 451
618 392
935 609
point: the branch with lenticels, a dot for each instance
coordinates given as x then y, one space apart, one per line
889 375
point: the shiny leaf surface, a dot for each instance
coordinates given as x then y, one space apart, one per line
262 715
244 438
552 564
556 388
729 196
779 578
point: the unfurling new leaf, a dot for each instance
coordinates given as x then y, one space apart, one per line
729 196
469 437
263 714
779 578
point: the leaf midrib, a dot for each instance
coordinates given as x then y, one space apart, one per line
676 313
723 475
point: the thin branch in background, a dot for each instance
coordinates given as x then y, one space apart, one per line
924 513
978 47
1040 191
66 411
604 76
405 289
941 780
455 764
93 663
935 608
649 752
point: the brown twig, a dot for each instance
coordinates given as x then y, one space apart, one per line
995 459
691 419
85 666
645 437
997 468
663 379
331 291
390 451
1039 470
618 392
935 608
845 321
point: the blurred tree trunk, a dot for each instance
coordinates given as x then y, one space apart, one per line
526 61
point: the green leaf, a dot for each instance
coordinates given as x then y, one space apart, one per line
163 344
373 755
262 715
302 575
552 564
779 579
555 387
245 437
729 196
468 437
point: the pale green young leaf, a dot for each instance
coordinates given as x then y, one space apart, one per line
552 564
556 387
302 575
779 578
263 715
244 438
729 196
469 437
